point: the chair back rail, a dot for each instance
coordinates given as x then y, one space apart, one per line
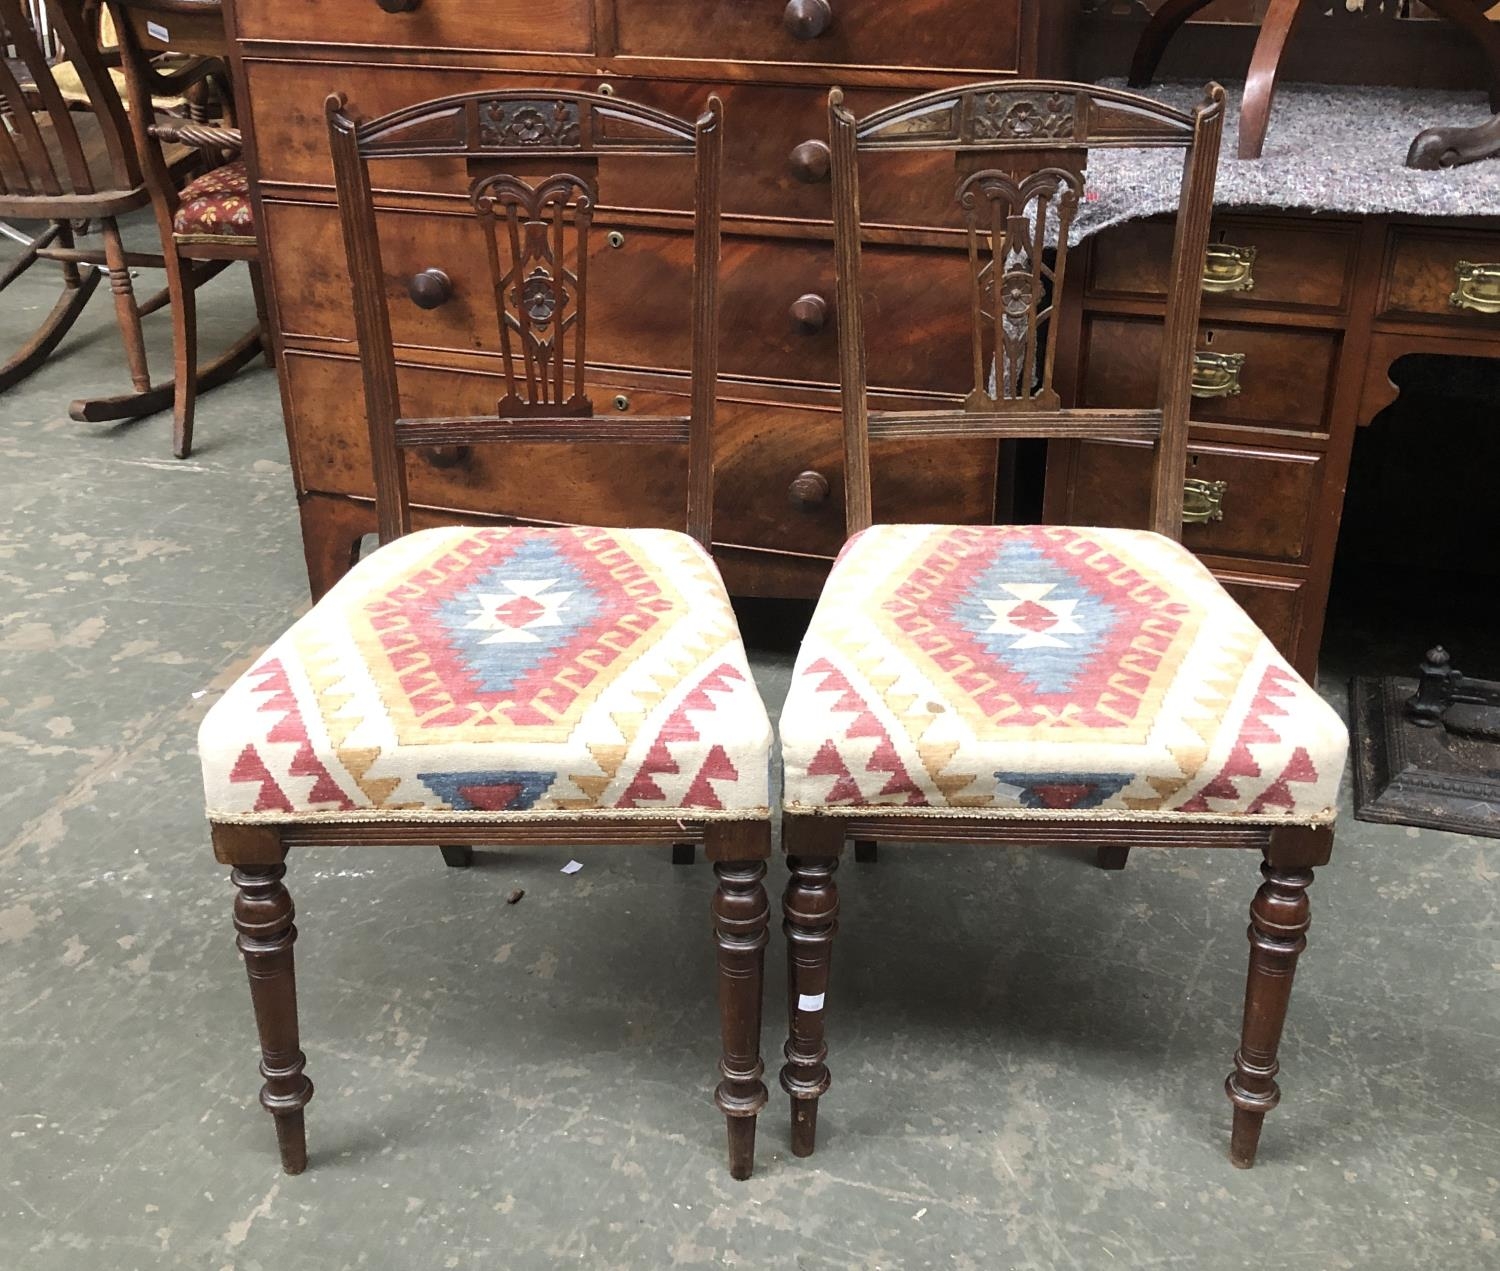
536 234
43 155
1016 218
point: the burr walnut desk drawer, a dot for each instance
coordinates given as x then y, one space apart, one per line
1451 276
1258 504
777 298
1275 603
1253 376
1250 261
779 467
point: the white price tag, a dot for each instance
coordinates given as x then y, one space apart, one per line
157 32
810 1001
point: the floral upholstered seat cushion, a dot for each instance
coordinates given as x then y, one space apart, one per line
216 205
1048 671
497 673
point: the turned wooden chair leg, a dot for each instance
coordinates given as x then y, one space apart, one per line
263 917
457 857
741 915
184 353
684 853
262 311
811 907
127 313
1279 918
1112 857
866 851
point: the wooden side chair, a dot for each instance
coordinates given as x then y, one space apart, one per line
1027 685
477 687
205 225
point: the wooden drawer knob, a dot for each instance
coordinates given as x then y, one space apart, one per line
430 288
808 489
807 19
399 6
810 312
446 456
811 161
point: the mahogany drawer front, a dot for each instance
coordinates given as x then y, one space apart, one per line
1266 501
639 298
779 477
764 125
1284 381
916 33
1427 277
1274 603
515 26
1285 266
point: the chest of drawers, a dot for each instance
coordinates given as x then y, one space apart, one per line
779 513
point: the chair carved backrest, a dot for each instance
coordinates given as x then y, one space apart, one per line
1020 148
537 235
50 156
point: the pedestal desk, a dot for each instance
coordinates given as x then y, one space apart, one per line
1303 315
1286 375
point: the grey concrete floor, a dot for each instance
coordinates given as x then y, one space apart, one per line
1028 1054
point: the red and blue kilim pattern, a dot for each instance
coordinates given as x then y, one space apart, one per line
1048 670
519 631
1039 630
500 672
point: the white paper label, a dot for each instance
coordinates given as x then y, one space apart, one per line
810 1001
157 32
572 867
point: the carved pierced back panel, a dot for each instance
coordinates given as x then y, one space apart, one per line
1013 283
537 240
530 267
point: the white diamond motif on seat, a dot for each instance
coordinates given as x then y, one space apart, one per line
514 615
1029 615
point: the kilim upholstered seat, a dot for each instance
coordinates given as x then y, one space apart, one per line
461 674
1044 671
1037 685
488 686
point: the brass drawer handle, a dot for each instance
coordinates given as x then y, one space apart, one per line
1202 501
1478 287
1217 374
807 19
1228 268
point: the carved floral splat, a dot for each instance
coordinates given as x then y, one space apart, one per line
504 123
1012 285
1013 117
537 239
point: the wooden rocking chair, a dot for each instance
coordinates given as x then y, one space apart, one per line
77 167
